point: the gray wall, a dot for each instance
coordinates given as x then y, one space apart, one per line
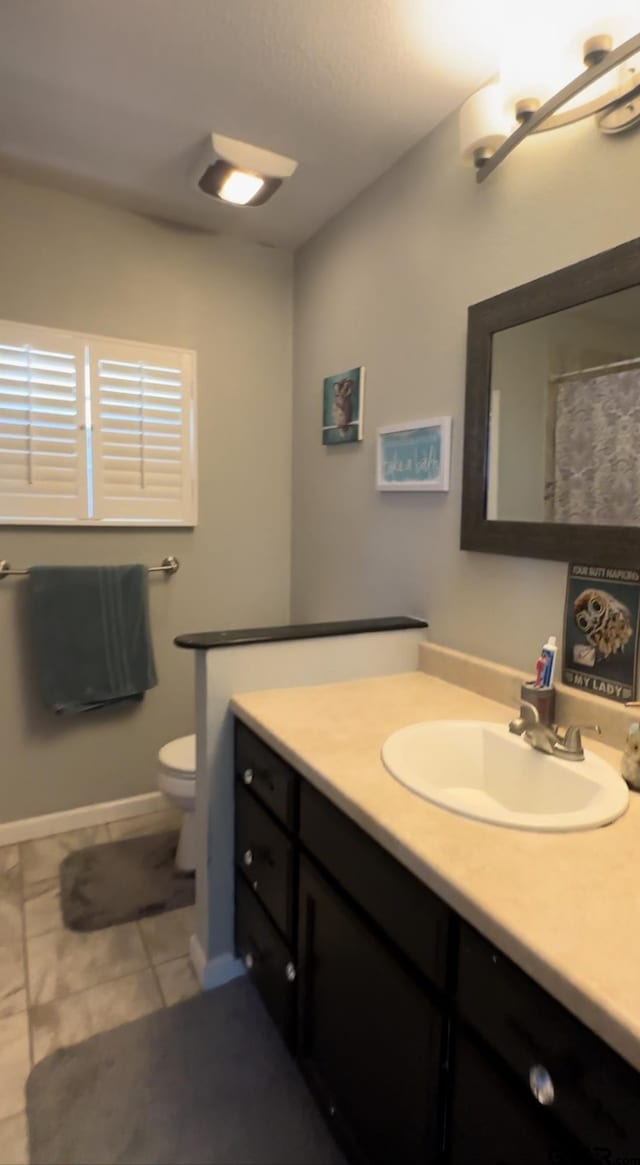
387 284
72 263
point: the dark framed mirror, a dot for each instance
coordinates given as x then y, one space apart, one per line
552 416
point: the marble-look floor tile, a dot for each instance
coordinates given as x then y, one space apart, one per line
41 858
64 961
177 980
160 822
15 1063
42 910
10 895
13 996
9 858
10 916
78 1017
14 1140
167 935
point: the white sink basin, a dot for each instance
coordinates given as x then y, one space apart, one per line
481 770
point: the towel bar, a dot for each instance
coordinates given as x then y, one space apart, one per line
169 565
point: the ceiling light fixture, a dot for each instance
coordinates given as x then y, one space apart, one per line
238 173
523 101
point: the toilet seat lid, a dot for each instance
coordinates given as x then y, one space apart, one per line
179 755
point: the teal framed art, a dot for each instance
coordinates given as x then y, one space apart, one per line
343 407
414 456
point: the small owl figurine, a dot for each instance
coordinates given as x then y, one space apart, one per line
630 767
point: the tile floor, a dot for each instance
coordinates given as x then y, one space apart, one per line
58 987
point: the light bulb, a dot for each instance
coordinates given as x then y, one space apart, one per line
240 187
531 71
483 125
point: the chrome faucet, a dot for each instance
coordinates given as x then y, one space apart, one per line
547 737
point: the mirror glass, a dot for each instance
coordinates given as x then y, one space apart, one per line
564 431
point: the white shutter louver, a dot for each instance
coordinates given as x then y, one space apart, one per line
143 434
42 432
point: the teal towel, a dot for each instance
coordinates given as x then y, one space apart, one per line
91 635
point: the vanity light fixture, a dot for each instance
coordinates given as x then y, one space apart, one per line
241 174
498 117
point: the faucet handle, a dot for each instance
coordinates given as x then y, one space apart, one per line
572 738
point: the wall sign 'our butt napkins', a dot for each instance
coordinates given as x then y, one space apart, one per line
601 618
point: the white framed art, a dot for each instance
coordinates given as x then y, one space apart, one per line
414 456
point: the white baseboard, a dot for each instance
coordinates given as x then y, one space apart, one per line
213 972
29 828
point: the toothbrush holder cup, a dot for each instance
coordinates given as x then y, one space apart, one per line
543 700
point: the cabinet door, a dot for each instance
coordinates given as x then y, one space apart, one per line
493 1123
266 958
369 1036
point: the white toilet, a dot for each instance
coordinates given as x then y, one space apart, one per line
177 780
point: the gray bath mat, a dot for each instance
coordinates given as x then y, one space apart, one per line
207 1081
121 881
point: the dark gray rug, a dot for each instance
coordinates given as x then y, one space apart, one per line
121 881
207 1081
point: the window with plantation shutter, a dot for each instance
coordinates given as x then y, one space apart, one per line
142 433
42 436
95 431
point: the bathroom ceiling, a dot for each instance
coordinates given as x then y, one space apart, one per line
116 97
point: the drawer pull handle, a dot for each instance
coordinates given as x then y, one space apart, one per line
247 857
248 961
541 1084
247 776
290 973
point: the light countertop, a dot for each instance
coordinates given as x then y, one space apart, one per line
564 907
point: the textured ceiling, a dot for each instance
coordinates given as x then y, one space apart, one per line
117 97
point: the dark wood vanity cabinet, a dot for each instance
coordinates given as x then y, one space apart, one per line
369 1036
421 1041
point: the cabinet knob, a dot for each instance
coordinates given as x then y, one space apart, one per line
248 961
541 1084
247 857
247 776
290 972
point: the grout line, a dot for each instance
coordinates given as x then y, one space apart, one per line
93 986
151 964
25 956
171 958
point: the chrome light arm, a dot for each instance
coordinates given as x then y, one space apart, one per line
600 68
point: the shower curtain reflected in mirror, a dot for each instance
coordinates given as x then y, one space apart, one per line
593 449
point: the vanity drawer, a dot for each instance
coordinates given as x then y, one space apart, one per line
597 1094
405 910
493 1122
270 778
265 855
267 959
